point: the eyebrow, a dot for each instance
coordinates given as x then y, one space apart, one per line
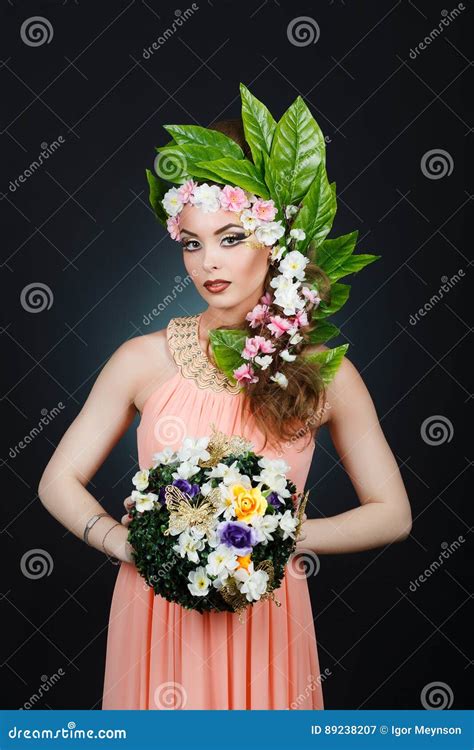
218 231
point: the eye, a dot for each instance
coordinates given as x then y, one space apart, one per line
234 238
187 245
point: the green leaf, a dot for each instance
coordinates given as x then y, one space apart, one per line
178 163
259 126
323 332
227 345
317 212
157 191
328 361
352 265
270 179
332 253
195 134
239 172
339 295
298 148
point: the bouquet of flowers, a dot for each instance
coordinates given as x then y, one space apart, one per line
213 524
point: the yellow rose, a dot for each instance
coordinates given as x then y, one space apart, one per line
244 561
248 502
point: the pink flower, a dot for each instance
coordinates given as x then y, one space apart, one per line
267 298
184 192
172 224
264 210
245 374
266 345
255 345
311 294
279 325
233 198
301 318
257 316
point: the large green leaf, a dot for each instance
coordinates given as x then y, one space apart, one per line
297 150
339 295
318 209
227 345
330 254
352 265
259 126
270 179
328 361
157 191
239 172
179 162
323 332
195 134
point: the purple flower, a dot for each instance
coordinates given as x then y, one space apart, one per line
238 535
185 486
274 500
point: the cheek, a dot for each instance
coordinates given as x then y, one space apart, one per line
251 264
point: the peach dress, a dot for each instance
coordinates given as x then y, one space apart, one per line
162 656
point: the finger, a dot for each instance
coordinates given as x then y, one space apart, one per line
128 502
125 521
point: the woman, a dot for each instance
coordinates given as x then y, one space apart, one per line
160 655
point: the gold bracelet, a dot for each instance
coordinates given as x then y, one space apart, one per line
113 560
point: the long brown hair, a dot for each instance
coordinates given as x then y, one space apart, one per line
282 414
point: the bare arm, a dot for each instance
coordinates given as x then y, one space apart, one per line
104 418
384 515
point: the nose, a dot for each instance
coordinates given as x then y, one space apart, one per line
212 256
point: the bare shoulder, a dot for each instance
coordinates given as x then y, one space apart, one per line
346 390
148 361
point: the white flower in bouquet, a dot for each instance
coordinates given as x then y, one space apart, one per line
221 562
141 479
164 457
144 502
273 475
200 583
185 470
293 265
286 294
229 474
253 583
288 524
194 449
189 544
265 526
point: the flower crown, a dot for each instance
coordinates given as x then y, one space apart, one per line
283 194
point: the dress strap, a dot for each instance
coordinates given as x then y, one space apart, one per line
183 340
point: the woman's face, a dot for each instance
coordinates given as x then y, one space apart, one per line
216 246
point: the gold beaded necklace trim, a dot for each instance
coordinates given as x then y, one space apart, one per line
183 341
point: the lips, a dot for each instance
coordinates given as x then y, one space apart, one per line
216 285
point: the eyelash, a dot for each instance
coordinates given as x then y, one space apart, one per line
235 236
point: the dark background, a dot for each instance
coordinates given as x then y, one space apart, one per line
81 225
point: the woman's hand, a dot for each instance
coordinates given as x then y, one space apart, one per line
117 544
300 545
128 502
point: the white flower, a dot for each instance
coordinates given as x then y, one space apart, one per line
253 582
288 524
185 470
277 252
286 294
293 265
171 202
229 474
273 475
249 222
296 338
275 465
269 232
144 502
263 361
206 197
200 583
221 562
280 378
140 480
285 354
297 234
194 449
189 544
291 210
164 457
264 526
206 488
